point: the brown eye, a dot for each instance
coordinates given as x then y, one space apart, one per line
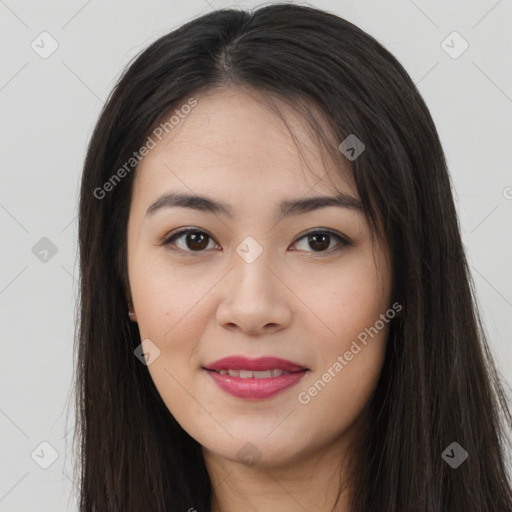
320 241
195 240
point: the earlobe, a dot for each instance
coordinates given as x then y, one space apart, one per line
131 312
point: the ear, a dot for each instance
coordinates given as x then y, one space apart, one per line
131 310
131 313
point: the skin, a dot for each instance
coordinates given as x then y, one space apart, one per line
292 302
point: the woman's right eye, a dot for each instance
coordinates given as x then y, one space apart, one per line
195 240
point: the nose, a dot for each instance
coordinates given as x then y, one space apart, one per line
255 298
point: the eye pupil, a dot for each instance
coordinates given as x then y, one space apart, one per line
323 244
195 236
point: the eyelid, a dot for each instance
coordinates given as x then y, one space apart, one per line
342 239
183 231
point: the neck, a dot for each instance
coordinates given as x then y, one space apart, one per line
311 483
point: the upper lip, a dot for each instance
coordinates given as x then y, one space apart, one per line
258 364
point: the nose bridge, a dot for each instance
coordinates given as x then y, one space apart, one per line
251 264
251 297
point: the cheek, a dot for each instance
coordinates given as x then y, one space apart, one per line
337 392
347 301
171 314
352 345
164 298
173 306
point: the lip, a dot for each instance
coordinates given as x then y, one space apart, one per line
258 364
253 388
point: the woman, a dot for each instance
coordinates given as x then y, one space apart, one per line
276 309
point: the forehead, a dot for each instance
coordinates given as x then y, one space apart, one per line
232 138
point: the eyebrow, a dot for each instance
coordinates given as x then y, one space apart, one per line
285 208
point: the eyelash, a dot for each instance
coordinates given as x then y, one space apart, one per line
345 242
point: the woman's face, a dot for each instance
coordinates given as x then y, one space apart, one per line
249 281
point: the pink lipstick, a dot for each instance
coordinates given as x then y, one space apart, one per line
255 379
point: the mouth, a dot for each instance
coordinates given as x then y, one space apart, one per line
255 379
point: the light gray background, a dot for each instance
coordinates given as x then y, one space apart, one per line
49 106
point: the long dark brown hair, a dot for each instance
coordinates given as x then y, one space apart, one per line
438 384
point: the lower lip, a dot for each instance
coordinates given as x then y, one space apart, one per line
255 389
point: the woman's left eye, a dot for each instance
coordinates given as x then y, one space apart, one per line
195 240
320 240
